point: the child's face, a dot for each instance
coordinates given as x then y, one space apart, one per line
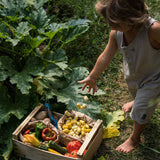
121 28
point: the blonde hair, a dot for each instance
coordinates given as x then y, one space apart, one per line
130 12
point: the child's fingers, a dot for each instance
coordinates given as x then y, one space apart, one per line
89 89
80 82
94 90
84 86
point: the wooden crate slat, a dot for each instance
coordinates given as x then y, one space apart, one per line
24 123
37 154
94 145
89 137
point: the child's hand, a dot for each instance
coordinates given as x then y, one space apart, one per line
89 82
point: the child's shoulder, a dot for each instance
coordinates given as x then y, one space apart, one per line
112 35
155 27
154 34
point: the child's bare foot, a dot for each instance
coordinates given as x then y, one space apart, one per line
127 106
128 146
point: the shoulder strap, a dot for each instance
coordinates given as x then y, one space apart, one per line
118 35
151 21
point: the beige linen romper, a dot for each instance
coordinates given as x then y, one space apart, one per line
142 72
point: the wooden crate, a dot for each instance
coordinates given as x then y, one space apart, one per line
92 142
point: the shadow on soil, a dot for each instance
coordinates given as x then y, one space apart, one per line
148 150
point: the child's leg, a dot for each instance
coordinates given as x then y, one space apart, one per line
134 139
127 106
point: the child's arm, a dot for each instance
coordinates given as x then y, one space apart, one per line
154 35
102 62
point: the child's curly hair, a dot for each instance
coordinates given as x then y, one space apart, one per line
130 12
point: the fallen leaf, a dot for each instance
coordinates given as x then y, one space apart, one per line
113 120
115 117
110 132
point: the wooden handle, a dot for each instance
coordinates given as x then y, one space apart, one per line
89 137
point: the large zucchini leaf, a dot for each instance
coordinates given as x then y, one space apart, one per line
68 91
7 108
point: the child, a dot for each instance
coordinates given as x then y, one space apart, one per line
137 36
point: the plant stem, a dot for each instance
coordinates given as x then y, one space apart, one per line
152 149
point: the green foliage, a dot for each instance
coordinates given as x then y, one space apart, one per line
103 157
114 118
33 63
6 135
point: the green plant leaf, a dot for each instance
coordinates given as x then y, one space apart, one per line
39 19
8 4
74 29
23 28
30 2
78 22
101 158
7 107
54 28
92 109
15 103
34 66
35 42
13 41
4 75
63 65
52 70
4 31
71 33
40 3
36 3
61 59
23 81
7 67
58 57
13 11
69 30
2 36
8 150
113 118
24 78
6 137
